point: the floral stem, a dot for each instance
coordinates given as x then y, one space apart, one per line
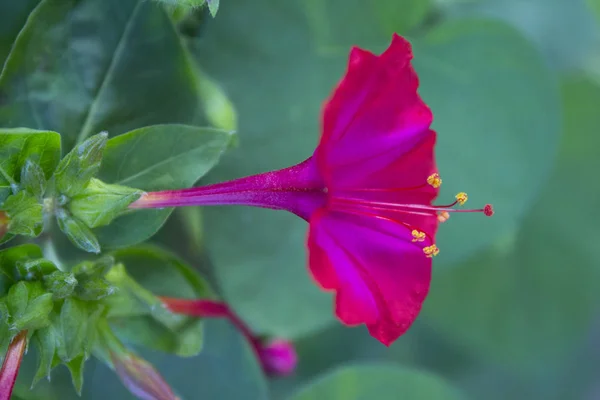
211 309
11 365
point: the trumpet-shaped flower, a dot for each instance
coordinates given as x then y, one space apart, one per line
367 193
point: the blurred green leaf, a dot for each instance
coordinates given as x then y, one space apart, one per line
80 165
146 321
100 203
493 98
226 369
563 30
77 232
13 15
532 299
595 4
71 71
381 382
156 158
19 145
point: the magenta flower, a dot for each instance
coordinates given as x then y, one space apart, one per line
367 192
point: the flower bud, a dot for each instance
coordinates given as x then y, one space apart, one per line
140 377
278 357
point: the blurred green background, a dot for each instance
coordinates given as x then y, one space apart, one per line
514 86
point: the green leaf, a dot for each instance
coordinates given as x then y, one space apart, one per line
33 179
218 108
77 232
156 158
19 145
79 166
515 304
137 315
595 5
77 328
381 382
45 341
29 306
14 14
26 214
489 66
100 203
108 76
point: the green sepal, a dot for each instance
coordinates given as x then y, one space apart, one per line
77 232
33 179
75 367
34 270
61 284
81 164
100 203
25 213
77 328
45 341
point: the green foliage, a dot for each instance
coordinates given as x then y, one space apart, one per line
100 203
77 232
382 382
80 165
138 316
127 86
19 146
156 158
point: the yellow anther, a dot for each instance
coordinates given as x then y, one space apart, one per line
431 251
443 216
462 198
418 236
434 180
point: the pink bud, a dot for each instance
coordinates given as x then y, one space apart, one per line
278 357
11 365
140 378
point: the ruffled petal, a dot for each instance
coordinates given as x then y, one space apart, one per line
374 116
382 276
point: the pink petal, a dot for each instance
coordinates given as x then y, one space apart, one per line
374 116
383 276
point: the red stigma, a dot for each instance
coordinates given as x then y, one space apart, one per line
488 210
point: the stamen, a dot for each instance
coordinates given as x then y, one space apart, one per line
461 198
434 180
443 216
431 251
418 236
